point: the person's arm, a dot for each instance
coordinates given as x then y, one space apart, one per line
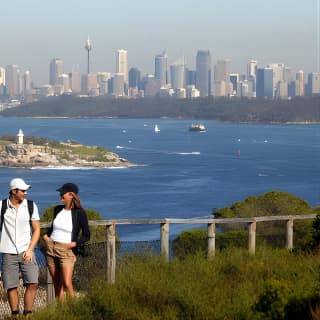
84 226
29 253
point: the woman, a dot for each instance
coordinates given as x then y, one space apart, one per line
69 229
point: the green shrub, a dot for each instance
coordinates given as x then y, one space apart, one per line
195 241
273 300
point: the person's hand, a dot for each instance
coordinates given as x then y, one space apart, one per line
46 238
27 256
72 245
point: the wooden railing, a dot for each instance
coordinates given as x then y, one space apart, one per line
165 231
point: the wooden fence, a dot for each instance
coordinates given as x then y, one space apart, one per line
164 236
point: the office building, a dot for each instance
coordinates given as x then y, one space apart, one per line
313 85
26 84
12 81
222 77
134 78
75 82
122 64
56 69
234 79
278 74
190 77
203 72
161 68
252 77
177 76
299 83
264 87
2 76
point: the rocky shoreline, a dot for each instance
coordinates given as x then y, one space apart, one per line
28 155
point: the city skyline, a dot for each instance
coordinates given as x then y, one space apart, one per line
273 32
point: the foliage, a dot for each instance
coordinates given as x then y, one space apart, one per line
195 241
273 300
234 109
234 285
273 203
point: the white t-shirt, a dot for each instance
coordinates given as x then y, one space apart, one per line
16 230
62 227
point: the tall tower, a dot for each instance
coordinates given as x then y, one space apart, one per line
299 83
161 68
13 80
122 63
56 69
203 72
88 47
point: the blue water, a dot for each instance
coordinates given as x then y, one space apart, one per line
183 174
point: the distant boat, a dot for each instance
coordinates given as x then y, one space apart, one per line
156 129
198 127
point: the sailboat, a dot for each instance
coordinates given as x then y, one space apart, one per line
156 129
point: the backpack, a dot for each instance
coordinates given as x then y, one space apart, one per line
5 206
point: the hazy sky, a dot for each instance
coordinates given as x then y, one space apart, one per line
269 31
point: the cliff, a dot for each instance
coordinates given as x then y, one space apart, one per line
64 154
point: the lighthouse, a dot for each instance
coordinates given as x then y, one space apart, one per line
20 136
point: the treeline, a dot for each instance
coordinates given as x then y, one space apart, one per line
298 109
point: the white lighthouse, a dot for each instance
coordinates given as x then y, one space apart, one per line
20 136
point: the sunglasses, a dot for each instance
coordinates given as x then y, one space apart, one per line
24 191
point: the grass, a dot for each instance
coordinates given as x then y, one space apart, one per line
92 153
231 286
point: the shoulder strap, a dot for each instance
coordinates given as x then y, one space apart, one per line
3 210
5 206
30 207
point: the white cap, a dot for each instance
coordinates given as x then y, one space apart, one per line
18 183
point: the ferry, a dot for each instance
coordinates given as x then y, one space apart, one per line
198 127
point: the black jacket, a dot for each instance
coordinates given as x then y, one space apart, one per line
79 223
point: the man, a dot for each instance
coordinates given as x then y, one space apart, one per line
20 232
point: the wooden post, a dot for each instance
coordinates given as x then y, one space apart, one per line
164 240
50 288
111 253
211 240
289 242
252 236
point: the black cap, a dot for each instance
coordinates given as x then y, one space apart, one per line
68 187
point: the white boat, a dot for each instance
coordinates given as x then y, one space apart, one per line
156 129
197 127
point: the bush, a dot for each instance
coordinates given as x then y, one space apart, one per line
195 241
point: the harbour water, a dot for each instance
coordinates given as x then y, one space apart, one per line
181 174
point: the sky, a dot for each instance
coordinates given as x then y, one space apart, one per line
269 31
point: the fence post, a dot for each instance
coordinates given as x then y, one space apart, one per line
289 242
164 240
111 253
50 288
211 240
252 236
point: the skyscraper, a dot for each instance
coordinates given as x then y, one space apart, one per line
134 78
252 77
222 76
12 80
177 76
122 64
2 76
203 72
313 83
299 83
56 69
161 68
265 83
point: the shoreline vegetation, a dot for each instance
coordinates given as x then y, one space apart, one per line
41 152
298 110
